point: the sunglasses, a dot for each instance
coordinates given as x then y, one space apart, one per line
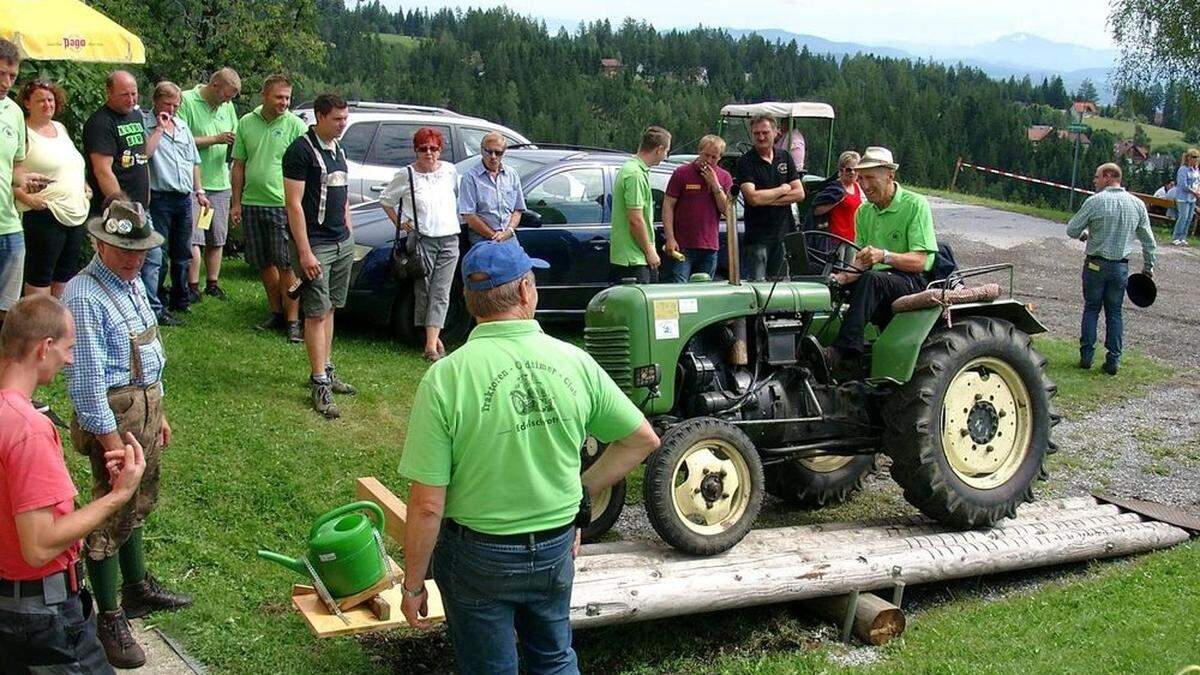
429 148
493 153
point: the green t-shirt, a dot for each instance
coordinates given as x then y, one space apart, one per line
500 423
203 120
631 191
12 149
906 225
261 144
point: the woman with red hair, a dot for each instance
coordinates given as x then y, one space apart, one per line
422 199
51 217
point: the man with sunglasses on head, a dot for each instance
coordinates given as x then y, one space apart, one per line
490 199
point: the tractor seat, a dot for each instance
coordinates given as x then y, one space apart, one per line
933 297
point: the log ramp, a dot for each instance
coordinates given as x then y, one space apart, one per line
621 582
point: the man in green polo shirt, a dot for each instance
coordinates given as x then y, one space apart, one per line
263 135
895 229
493 447
631 251
208 111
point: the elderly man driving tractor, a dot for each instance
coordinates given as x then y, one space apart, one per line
895 231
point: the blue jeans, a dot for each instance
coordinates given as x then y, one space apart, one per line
1103 288
172 213
695 260
491 590
12 268
151 269
764 261
1183 219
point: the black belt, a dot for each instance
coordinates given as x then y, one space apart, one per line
518 539
1103 259
32 588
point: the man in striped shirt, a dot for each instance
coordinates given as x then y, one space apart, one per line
1108 221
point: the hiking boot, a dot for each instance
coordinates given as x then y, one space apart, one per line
116 636
215 291
167 319
336 383
274 322
193 295
147 596
322 398
1109 368
295 335
1085 364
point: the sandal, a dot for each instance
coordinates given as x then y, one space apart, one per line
432 356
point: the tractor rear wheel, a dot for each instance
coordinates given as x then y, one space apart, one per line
703 486
607 506
816 482
968 433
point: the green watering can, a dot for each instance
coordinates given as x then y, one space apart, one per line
344 550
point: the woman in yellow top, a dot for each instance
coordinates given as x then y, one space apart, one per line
52 217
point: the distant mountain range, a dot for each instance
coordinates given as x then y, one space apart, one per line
1015 55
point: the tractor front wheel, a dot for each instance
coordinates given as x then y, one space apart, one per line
607 506
816 482
968 433
703 486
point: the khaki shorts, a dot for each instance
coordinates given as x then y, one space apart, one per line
328 291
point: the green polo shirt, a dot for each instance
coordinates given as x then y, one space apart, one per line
12 149
204 120
261 144
631 191
906 225
500 421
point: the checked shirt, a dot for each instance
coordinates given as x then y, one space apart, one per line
1112 218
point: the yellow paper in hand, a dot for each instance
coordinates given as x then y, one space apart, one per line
204 220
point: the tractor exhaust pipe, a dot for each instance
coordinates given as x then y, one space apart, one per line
738 355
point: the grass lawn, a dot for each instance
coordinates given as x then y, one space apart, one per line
1159 136
251 467
406 41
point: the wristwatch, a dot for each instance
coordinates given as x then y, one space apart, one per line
412 594
887 257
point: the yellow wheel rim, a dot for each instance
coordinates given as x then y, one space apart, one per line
825 464
986 423
711 487
600 503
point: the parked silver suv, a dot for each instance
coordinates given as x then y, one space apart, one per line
378 140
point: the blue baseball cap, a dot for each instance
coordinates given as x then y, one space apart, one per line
499 262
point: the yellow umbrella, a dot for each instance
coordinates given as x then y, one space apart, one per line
67 30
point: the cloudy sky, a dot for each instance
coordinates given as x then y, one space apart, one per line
865 21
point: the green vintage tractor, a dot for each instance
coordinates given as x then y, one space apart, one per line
733 378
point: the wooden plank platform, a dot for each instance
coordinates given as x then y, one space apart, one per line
620 582
323 623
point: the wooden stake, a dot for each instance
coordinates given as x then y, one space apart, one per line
876 621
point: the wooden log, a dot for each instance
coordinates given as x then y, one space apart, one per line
876 621
605 599
394 511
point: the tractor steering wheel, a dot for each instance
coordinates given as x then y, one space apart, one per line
832 260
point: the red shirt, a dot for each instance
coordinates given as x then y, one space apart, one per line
841 217
33 475
696 217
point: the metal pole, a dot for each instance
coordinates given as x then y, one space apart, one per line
1074 168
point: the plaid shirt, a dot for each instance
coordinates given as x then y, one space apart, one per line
1112 218
102 356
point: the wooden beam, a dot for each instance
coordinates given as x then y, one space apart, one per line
394 511
876 621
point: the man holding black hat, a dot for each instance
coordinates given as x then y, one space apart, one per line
493 447
1108 221
115 386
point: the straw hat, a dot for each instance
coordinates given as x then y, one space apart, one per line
876 156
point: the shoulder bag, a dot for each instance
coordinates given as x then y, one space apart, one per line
407 262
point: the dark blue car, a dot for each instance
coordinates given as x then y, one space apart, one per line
569 197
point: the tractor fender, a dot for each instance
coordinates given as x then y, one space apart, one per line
894 353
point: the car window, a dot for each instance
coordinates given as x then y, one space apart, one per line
357 139
472 138
658 189
393 144
572 197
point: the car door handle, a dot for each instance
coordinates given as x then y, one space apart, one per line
598 243
377 188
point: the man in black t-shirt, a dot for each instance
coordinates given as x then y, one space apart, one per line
769 184
318 209
114 139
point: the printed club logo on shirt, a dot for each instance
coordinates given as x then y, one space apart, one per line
782 167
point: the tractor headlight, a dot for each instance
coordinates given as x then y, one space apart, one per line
647 376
